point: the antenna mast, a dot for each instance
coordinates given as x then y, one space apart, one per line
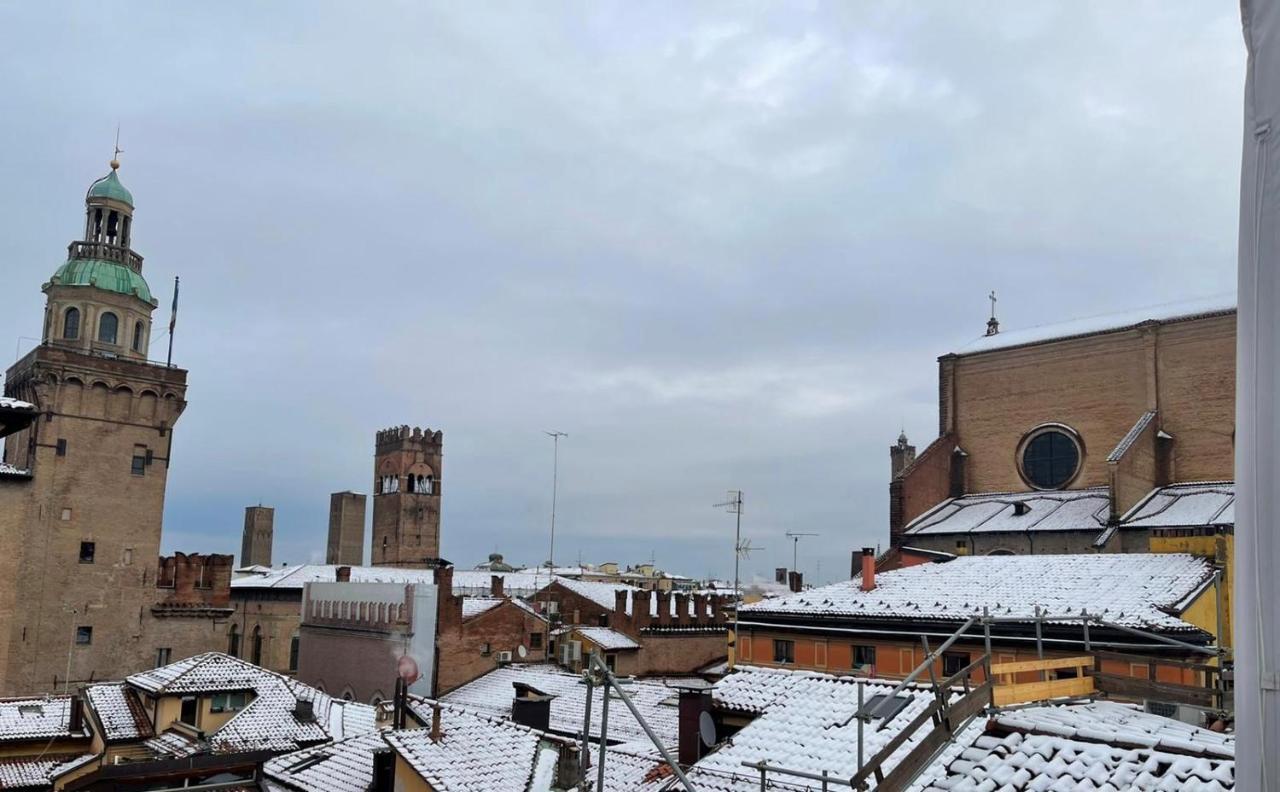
794 536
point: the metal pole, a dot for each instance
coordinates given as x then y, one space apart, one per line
585 760
1222 655
611 683
1044 673
555 475
604 729
860 688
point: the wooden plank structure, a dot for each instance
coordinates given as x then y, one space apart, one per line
1009 691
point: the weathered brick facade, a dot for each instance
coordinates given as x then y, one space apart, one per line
80 534
1100 385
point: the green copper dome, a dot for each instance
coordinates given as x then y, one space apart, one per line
109 186
109 275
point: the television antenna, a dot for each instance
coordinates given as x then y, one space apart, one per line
794 536
745 548
733 505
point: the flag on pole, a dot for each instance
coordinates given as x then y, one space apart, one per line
173 320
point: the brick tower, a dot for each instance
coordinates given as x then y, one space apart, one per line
259 532
406 497
346 529
82 495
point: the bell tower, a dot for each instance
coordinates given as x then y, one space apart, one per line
406 497
80 518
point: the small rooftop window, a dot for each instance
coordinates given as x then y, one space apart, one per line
883 706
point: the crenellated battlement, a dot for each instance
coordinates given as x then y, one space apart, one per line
408 435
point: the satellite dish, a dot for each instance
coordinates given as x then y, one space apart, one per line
707 729
520 650
407 669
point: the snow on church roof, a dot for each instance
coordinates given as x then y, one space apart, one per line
1133 590
1093 325
1185 506
1057 510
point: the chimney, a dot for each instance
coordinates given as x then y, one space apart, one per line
384 770
304 711
444 581
531 707
693 703
619 606
1020 508
495 586
75 720
868 568
435 723
780 575
567 765
795 581
344 574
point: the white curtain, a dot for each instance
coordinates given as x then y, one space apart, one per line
1257 593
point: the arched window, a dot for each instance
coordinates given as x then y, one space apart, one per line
255 646
71 323
108 326
430 484
233 641
137 336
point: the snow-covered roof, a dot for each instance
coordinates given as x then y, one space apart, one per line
1094 746
475 753
474 606
493 693
9 403
1129 589
1107 323
10 470
342 766
36 718
295 577
805 721
601 593
119 711
633 767
607 639
1194 504
19 773
1058 510
268 722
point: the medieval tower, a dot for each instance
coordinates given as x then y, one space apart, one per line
406 497
82 491
259 533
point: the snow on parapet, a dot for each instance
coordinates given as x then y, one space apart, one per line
1106 323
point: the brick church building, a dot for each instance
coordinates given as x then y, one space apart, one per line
83 590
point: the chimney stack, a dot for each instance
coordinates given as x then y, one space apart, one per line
343 574
384 770
435 722
75 719
780 575
495 586
692 704
531 707
868 568
795 581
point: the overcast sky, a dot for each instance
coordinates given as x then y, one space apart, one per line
719 245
